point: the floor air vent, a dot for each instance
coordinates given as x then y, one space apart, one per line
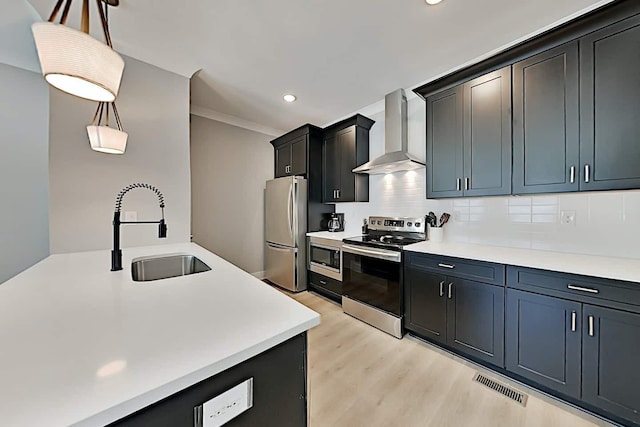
502 389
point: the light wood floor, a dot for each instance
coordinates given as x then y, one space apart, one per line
359 376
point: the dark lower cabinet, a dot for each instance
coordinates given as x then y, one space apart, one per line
611 352
426 307
475 319
465 315
543 340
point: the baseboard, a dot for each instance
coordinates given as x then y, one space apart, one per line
259 274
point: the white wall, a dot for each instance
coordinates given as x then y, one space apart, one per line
229 168
24 180
154 107
607 223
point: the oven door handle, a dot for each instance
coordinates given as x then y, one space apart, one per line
386 255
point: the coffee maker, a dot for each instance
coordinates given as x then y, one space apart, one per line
336 222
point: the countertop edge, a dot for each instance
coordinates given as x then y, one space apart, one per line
623 269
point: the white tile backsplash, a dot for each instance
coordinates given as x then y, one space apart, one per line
606 223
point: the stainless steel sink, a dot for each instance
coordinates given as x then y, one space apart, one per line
159 267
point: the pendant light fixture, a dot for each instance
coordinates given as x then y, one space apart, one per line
104 138
75 62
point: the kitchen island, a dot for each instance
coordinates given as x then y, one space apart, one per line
85 346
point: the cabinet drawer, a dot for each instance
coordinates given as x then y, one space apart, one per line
457 267
324 283
573 284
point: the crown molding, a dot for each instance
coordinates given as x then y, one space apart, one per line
208 113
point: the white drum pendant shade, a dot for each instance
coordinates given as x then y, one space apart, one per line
107 140
76 63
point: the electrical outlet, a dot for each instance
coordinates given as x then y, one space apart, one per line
228 405
568 218
130 215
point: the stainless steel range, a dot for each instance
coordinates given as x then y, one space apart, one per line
372 271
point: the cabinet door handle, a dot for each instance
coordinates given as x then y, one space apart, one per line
451 266
580 288
442 288
574 320
335 194
466 183
591 333
587 173
458 184
338 191
572 174
322 282
450 286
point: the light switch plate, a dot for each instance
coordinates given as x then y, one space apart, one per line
226 406
568 218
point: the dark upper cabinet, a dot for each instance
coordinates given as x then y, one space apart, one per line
290 156
465 315
425 303
611 345
475 319
330 168
444 143
469 138
299 152
346 146
546 122
487 134
543 340
283 160
609 106
298 157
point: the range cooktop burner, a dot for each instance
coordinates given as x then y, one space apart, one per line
391 233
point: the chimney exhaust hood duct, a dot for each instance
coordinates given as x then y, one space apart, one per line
395 158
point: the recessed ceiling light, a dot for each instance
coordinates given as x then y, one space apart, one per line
432 2
289 98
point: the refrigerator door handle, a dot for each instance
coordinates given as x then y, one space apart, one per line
281 248
294 212
290 210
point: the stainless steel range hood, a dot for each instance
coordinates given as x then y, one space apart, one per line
395 158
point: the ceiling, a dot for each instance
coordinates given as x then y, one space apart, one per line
336 56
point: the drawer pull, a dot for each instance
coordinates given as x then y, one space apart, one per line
591 333
574 319
442 288
580 288
450 286
446 266
322 282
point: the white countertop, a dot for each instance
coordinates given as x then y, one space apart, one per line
82 345
334 235
588 265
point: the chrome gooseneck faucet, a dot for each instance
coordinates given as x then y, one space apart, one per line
116 253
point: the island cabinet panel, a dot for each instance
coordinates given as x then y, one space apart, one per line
611 345
543 340
475 319
279 392
444 143
546 122
610 101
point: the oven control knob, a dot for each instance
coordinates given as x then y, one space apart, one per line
409 224
417 224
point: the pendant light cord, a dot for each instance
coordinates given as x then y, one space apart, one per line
84 25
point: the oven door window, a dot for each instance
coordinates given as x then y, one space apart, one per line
324 257
372 281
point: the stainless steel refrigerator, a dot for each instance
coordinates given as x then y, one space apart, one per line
285 233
